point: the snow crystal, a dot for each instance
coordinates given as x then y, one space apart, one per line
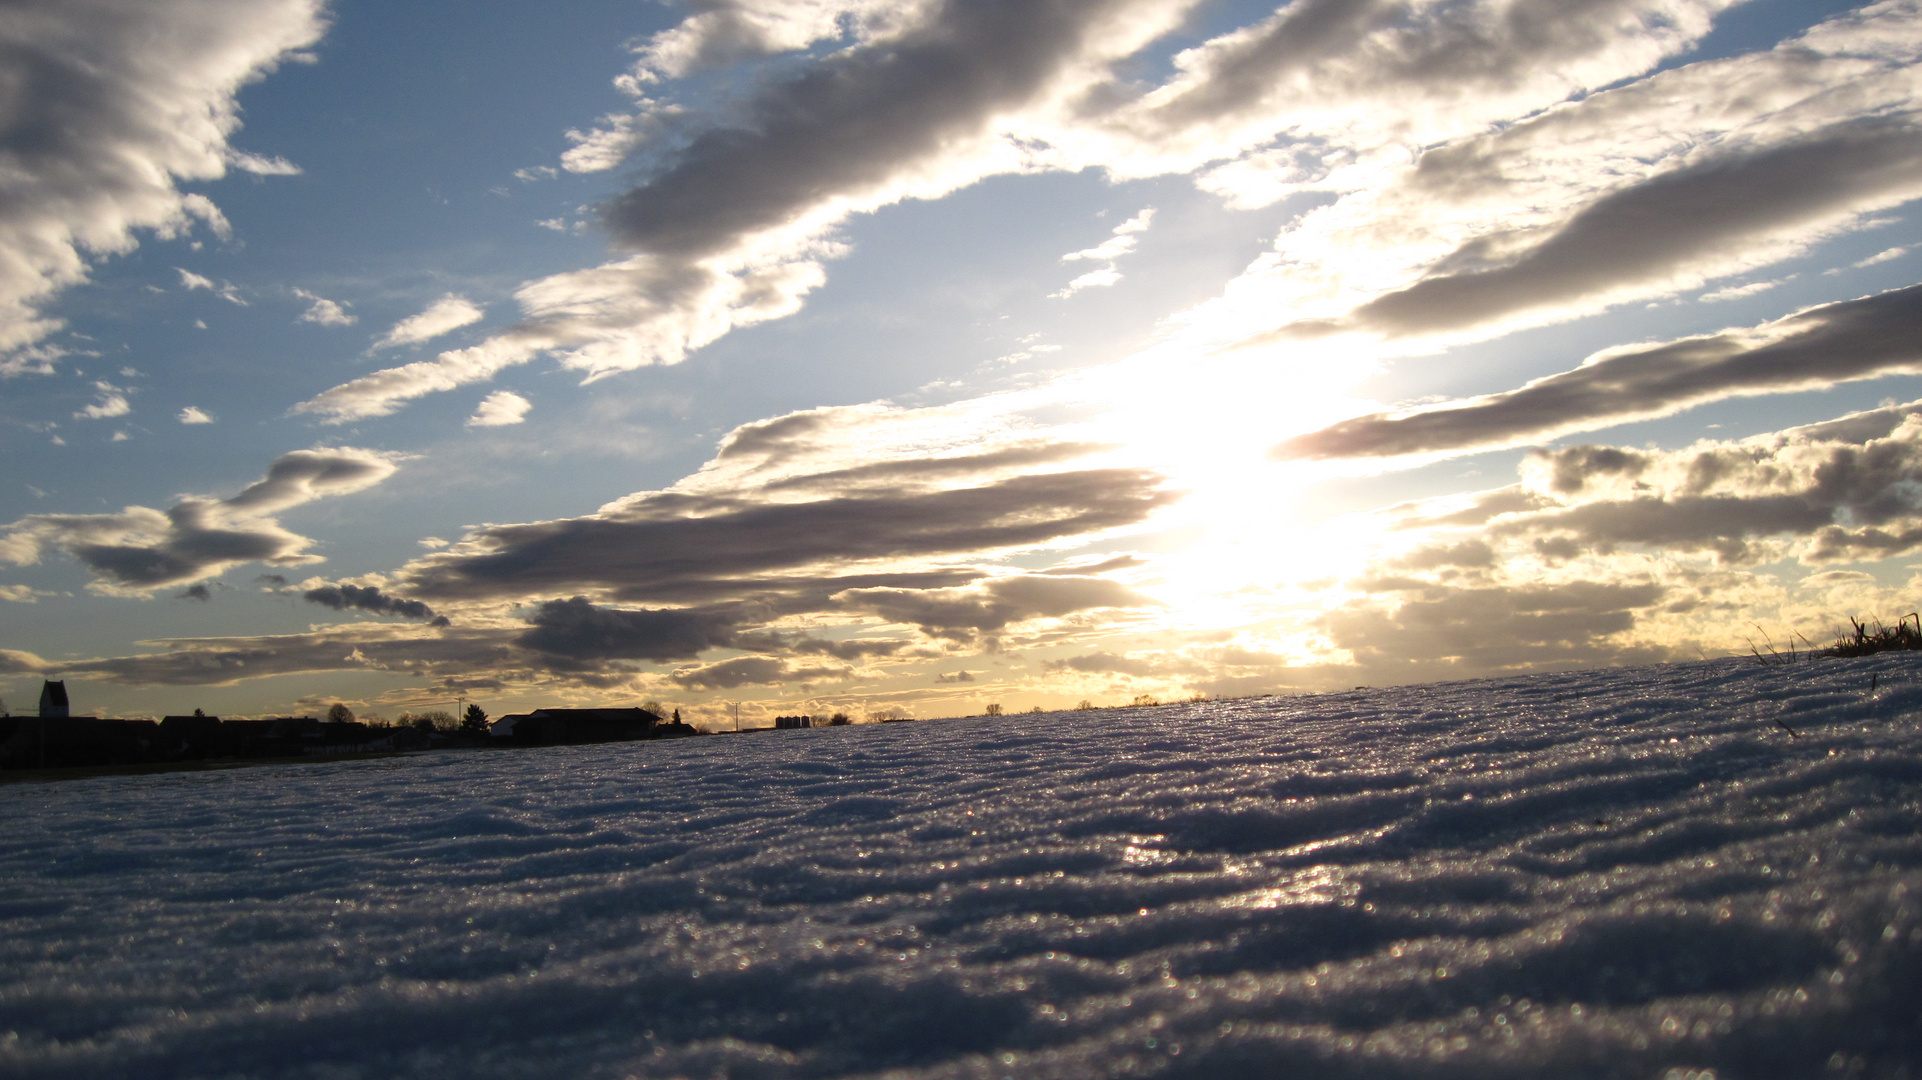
1702 870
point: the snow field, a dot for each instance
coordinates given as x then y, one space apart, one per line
1622 873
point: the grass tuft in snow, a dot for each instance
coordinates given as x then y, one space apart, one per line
1906 634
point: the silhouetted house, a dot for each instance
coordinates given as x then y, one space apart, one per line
553 727
248 737
75 741
195 737
53 700
401 738
293 727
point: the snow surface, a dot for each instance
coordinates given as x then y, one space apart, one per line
1630 873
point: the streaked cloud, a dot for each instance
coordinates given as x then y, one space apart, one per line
346 596
1828 344
670 545
964 614
194 414
261 166
139 549
764 670
1710 217
443 316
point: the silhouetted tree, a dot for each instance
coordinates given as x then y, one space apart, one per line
339 714
432 720
473 721
993 710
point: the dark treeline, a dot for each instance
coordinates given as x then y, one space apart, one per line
55 740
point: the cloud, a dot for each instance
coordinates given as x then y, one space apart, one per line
1696 220
1649 188
1885 255
664 544
369 598
325 312
20 594
746 670
362 647
139 549
962 676
1105 663
1737 292
16 662
443 316
1817 347
732 223
579 630
499 409
111 104
194 414
1842 490
736 213
777 529
110 401
855 649
991 606
725 31
1343 76
1093 279
225 290
261 166
1432 629
1120 243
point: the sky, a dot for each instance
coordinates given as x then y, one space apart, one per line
906 358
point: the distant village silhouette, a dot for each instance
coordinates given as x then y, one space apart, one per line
55 739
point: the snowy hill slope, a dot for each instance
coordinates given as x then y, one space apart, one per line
1631 873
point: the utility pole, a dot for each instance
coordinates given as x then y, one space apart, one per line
737 716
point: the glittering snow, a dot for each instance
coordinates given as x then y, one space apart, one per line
1632 873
